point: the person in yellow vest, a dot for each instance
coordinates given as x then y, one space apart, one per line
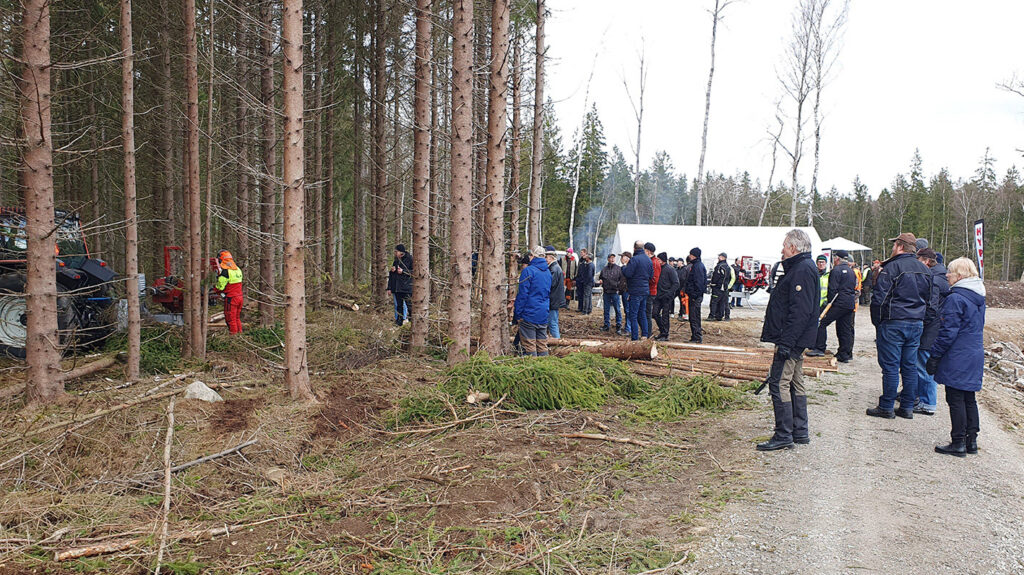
229 283
840 307
822 263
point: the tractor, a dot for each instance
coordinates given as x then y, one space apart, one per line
754 276
167 291
86 310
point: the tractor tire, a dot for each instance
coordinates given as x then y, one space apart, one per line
13 320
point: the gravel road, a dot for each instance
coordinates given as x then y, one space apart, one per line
871 495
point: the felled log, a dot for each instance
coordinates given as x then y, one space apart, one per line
666 371
76 373
640 349
349 305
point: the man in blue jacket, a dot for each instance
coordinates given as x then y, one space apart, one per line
791 323
638 273
898 307
532 302
696 285
927 390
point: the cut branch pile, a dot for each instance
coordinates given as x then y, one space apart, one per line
731 365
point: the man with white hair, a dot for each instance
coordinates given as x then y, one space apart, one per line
791 323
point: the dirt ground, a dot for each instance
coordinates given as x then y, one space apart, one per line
870 494
327 489
1007 295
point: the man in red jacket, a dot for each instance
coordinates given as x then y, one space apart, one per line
649 250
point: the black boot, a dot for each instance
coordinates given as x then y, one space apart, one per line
957 448
800 433
783 437
972 443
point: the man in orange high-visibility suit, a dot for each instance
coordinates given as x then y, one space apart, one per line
229 283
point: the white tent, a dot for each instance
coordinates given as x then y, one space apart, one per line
761 243
841 243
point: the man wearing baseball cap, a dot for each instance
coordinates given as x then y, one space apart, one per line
898 306
841 299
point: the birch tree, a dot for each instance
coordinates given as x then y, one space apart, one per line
797 81
638 111
716 16
827 30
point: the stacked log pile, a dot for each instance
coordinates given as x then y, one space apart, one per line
731 365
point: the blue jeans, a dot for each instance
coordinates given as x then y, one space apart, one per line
927 390
897 342
553 324
401 307
636 317
611 300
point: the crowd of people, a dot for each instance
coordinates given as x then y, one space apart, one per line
928 320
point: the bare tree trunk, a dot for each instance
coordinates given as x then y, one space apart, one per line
193 293
296 375
242 126
797 85
268 182
204 269
462 181
421 174
579 155
771 174
44 384
167 137
358 212
131 245
318 165
332 222
94 178
538 134
379 254
515 180
639 112
493 315
716 15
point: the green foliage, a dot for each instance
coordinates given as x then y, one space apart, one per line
266 336
680 397
581 380
183 567
161 348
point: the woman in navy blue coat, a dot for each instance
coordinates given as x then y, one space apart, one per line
958 355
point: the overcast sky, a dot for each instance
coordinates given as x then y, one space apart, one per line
911 74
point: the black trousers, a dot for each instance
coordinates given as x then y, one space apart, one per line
696 333
650 312
719 303
963 414
663 306
682 307
843 318
585 295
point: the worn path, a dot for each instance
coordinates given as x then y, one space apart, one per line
871 495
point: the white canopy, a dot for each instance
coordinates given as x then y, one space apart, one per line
762 243
841 243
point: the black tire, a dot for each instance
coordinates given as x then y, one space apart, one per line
12 302
12 315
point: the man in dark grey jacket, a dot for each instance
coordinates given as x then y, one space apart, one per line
612 285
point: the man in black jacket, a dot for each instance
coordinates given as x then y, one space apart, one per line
612 285
696 283
557 299
400 283
585 283
664 301
898 308
841 302
719 286
791 323
927 391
